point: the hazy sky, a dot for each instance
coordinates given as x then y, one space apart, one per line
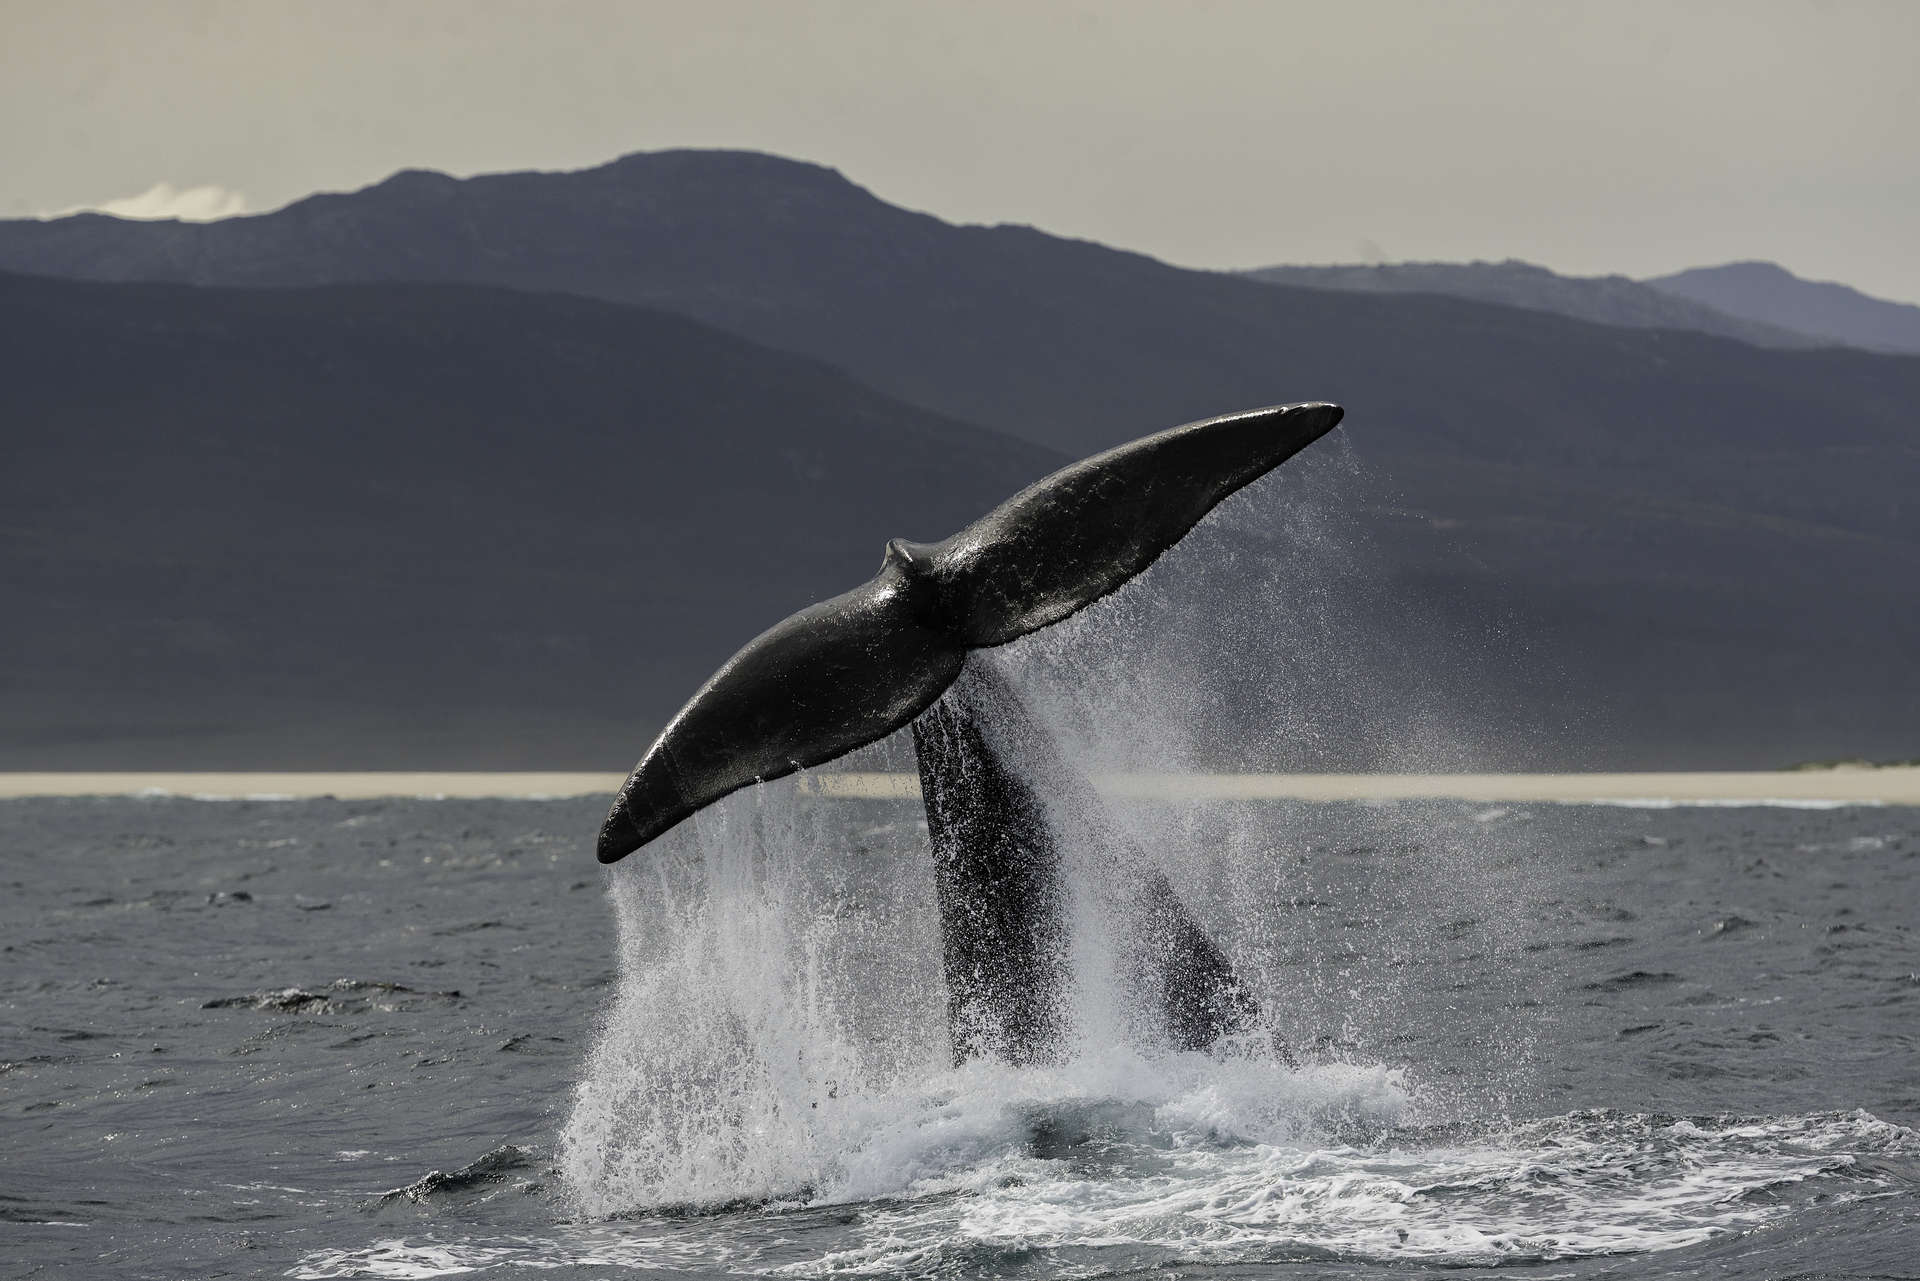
1597 137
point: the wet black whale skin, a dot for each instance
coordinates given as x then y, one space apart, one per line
851 670
996 790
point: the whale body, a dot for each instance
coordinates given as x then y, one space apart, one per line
999 794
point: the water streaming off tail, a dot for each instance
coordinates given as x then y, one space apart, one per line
780 1031
779 973
780 1028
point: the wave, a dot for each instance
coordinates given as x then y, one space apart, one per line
1040 1182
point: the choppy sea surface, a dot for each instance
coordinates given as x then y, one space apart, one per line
432 1038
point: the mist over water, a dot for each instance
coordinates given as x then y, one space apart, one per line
779 973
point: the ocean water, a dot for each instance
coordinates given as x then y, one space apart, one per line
417 1039
432 1038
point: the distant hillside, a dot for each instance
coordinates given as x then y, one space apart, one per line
1066 342
395 525
1605 300
1768 294
1714 544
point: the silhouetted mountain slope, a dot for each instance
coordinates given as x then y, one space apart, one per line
1763 292
370 525
1604 300
1069 343
1717 544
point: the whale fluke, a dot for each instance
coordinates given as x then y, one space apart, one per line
853 669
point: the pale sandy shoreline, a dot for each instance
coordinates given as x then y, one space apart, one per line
1891 786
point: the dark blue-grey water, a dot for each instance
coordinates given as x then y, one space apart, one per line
420 1038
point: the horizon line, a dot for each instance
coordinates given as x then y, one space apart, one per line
1811 787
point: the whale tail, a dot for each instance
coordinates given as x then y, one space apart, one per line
851 670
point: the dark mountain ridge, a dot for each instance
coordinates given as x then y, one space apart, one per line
1767 293
1068 343
1716 543
1604 300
